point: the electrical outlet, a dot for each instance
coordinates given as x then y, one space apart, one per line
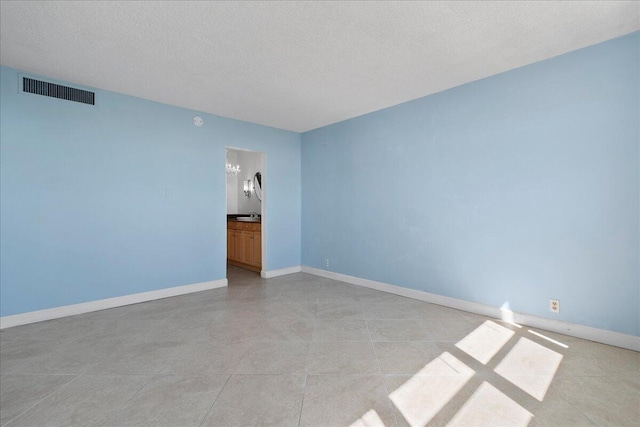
554 306
326 262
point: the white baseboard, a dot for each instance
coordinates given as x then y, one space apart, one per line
103 304
281 272
604 336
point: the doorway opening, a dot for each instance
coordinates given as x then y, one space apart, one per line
246 201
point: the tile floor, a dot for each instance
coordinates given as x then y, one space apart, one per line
300 350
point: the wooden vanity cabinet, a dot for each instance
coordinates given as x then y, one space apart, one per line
244 244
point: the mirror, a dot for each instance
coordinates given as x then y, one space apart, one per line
257 185
244 188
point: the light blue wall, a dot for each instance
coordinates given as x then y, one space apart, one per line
83 197
517 188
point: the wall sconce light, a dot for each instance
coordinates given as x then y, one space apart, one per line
233 170
248 186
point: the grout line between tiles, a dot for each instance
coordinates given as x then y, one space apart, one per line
579 411
41 400
384 383
215 400
304 385
129 399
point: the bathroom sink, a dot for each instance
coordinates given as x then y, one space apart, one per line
247 219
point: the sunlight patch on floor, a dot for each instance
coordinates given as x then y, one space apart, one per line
485 341
530 366
490 407
425 394
548 339
507 314
370 419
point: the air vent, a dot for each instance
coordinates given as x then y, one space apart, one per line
53 90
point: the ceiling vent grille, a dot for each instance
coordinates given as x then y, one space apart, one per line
53 90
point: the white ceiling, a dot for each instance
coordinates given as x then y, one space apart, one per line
295 65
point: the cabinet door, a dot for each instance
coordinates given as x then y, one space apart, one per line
237 238
231 245
257 249
247 243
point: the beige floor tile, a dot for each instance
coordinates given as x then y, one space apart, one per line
420 397
381 309
613 360
530 366
205 358
341 400
139 358
20 392
398 330
76 357
631 381
192 317
490 407
285 329
86 401
405 358
434 311
485 341
170 400
339 310
17 355
234 326
294 309
604 400
342 358
340 330
275 357
258 400
453 329
369 419
554 411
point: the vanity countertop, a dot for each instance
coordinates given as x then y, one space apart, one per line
243 218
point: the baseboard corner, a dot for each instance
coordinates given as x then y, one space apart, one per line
268 274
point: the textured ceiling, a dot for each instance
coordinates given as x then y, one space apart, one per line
294 65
